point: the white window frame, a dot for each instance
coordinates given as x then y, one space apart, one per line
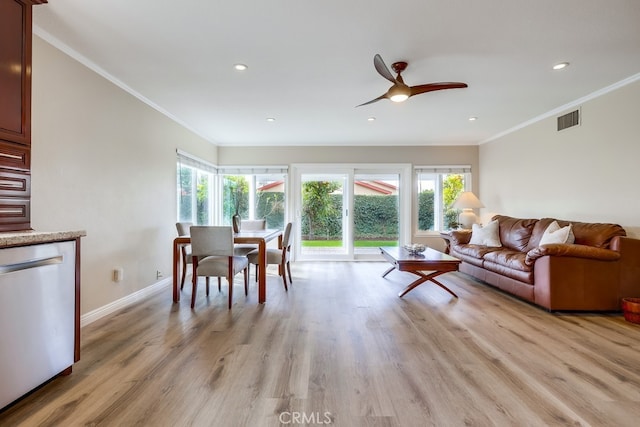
252 172
198 166
439 172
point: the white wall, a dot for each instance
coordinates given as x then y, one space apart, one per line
104 162
585 173
428 155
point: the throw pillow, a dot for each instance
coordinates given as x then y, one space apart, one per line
489 235
555 234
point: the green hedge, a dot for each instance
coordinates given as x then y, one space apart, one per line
425 209
376 218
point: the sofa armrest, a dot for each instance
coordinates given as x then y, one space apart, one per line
460 237
568 250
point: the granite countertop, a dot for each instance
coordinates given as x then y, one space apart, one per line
18 238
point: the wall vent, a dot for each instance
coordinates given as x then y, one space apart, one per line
568 120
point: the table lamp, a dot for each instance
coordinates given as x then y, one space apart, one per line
467 201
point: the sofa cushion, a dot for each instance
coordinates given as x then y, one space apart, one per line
515 232
512 273
509 258
556 234
472 254
486 236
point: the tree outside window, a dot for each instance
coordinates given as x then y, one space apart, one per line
194 195
436 194
254 197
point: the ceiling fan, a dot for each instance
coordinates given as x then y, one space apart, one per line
400 91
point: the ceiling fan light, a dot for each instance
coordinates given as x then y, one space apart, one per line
399 93
400 97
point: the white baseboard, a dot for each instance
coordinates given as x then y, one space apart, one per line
142 294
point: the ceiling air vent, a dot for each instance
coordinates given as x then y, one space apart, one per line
569 120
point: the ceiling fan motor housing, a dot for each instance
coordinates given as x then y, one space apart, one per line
399 92
399 67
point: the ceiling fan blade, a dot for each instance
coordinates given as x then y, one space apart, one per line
430 87
382 69
373 100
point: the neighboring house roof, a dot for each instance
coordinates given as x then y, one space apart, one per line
271 185
373 185
362 187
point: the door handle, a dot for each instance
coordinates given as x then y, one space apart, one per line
34 263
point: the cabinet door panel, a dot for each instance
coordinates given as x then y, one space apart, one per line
15 71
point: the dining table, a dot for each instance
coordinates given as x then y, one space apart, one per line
257 237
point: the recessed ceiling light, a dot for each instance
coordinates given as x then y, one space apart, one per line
371 119
560 65
240 67
271 119
473 119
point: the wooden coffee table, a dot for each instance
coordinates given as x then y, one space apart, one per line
430 260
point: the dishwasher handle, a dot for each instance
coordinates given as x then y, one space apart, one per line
33 263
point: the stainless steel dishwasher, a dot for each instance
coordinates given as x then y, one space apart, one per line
37 315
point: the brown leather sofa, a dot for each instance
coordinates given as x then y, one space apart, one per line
593 274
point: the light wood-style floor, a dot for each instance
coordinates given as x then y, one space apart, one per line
341 348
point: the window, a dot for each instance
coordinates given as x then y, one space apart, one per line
254 193
195 180
438 188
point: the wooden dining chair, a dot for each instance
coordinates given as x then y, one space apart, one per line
213 255
279 256
183 230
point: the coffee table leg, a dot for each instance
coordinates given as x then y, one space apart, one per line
389 271
443 287
424 278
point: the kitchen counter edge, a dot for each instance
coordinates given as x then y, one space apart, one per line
22 238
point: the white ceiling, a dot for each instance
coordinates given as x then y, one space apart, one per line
311 62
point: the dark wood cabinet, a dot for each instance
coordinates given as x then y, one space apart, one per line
15 113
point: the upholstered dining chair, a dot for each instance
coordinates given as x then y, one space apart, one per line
183 230
253 224
242 249
278 256
213 256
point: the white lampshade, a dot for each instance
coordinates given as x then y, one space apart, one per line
467 201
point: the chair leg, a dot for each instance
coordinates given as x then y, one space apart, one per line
230 280
289 271
283 273
257 267
246 281
184 275
207 285
193 290
219 284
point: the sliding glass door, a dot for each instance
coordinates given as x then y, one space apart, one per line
376 211
349 212
323 219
